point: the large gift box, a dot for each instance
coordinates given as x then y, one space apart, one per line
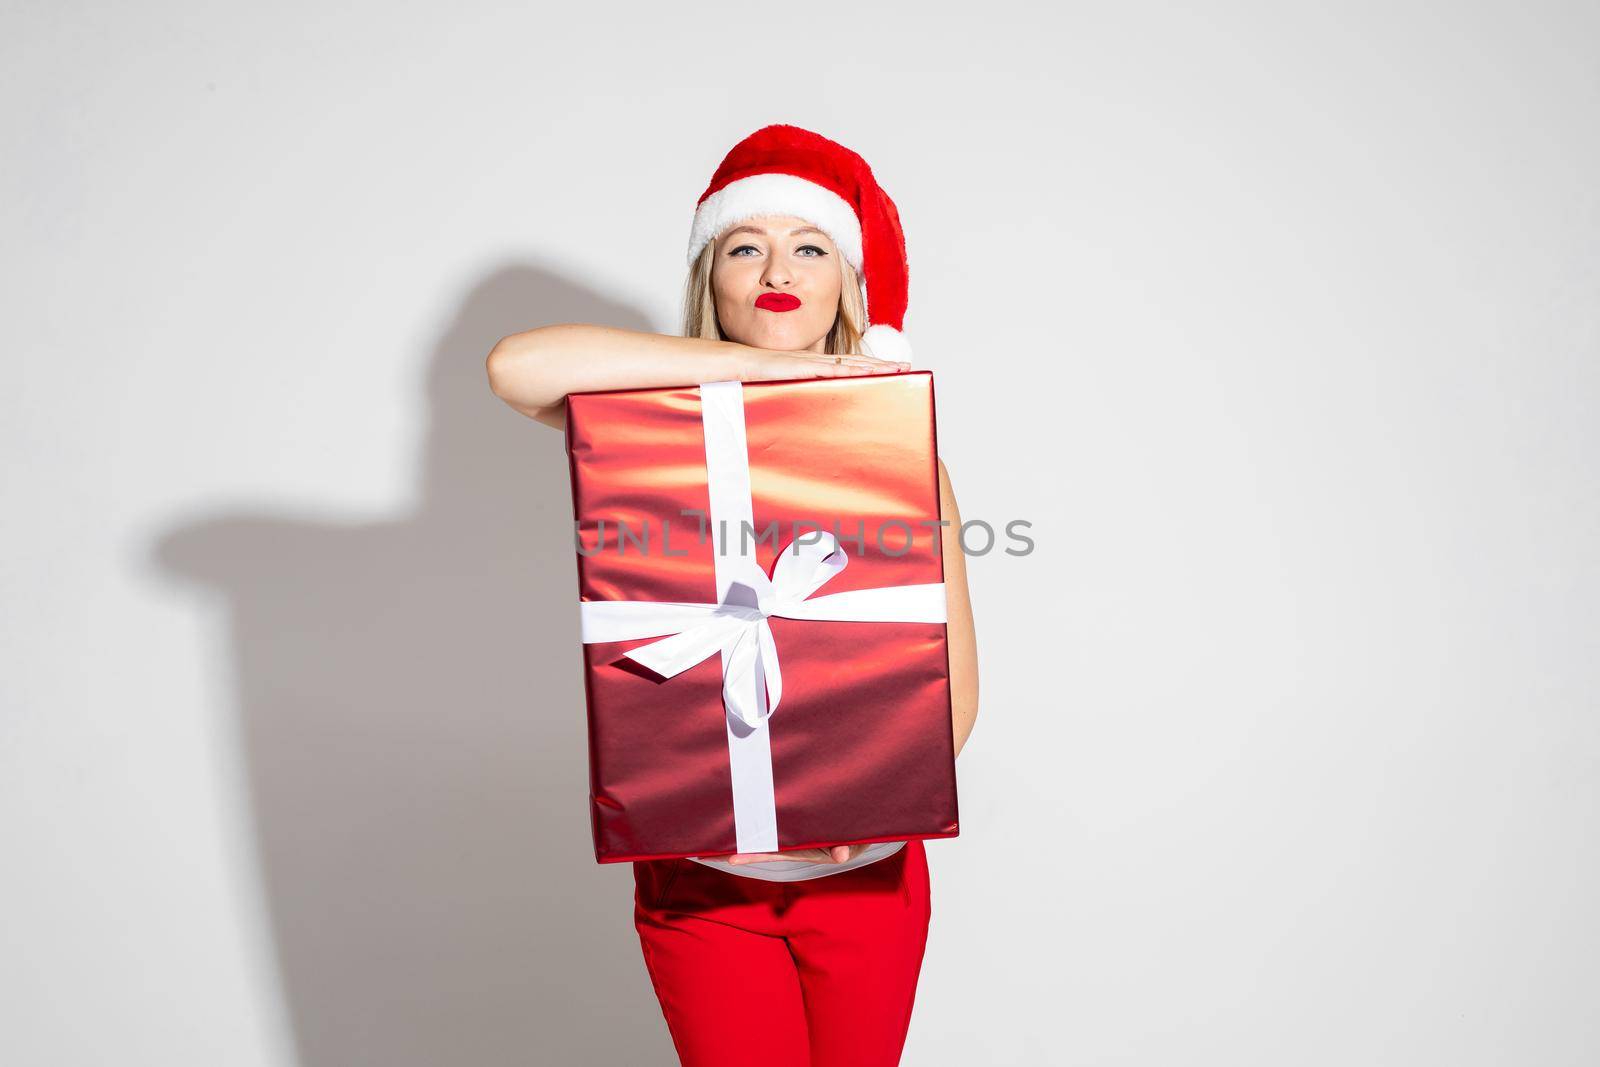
762 614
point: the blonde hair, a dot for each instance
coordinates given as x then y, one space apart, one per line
700 306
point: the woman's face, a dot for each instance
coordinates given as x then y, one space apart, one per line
776 281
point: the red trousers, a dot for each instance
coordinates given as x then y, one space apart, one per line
816 973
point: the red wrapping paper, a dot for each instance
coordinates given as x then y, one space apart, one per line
862 743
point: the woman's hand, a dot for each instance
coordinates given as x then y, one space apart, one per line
836 854
765 365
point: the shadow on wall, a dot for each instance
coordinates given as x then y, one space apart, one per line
410 704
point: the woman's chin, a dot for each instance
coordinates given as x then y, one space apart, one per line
784 340
773 335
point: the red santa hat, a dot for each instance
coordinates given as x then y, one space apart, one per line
784 170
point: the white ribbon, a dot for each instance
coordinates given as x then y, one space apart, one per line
743 635
736 623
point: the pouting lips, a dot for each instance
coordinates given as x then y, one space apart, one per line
777 302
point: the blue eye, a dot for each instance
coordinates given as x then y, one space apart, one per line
815 251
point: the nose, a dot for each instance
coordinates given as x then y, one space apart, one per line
777 273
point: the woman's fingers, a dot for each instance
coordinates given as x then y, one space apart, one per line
858 365
810 855
835 854
802 364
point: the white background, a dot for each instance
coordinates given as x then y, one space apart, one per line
1279 323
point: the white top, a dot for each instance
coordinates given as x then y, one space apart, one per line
800 870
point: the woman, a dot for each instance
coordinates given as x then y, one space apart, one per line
811 956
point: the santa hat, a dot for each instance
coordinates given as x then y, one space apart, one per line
784 170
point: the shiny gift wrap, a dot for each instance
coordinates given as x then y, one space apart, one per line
761 598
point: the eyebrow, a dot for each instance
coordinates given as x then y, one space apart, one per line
763 233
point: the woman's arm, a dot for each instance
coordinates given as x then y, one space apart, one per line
533 371
963 641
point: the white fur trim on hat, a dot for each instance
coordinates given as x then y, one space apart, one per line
778 194
886 342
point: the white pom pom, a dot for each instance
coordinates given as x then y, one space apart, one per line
886 342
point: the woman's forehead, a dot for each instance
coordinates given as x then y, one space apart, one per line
774 226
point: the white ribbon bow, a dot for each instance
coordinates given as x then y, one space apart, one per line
752 682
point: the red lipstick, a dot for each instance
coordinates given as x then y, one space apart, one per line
777 302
